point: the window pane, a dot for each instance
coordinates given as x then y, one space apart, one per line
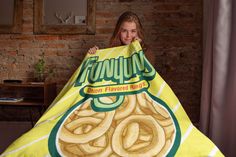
57 12
6 12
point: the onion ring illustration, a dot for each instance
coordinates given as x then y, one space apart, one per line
150 148
102 126
126 108
140 126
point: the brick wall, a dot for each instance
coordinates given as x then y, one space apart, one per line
173 31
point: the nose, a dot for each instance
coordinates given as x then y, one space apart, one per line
128 34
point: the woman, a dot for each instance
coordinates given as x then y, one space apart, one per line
128 28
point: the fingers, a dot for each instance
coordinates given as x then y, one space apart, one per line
93 50
137 38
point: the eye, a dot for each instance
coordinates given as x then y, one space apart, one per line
123 30
134 31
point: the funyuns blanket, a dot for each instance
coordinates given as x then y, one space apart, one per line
115 104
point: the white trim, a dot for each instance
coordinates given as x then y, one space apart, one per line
176 107
161 89
190 128
24 146
213 152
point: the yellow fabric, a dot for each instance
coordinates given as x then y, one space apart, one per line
115 104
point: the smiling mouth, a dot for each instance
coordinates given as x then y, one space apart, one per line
128 39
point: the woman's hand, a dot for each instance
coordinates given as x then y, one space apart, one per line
93 50
137 38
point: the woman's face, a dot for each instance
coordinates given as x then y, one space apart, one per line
128 32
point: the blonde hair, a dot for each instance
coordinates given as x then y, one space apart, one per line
127 16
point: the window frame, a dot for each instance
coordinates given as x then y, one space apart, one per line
41 28
16 26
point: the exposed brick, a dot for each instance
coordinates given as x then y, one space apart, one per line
22 37
4 37
173 30
47 37
167 7
8 44
50 52
28 29
63 53
105 30
29 45
12 53
54 45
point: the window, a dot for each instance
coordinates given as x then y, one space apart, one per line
11 16
64 16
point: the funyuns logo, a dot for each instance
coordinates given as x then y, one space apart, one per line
128 75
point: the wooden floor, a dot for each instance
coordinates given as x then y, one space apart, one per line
10 131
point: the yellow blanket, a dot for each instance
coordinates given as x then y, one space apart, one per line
115 104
